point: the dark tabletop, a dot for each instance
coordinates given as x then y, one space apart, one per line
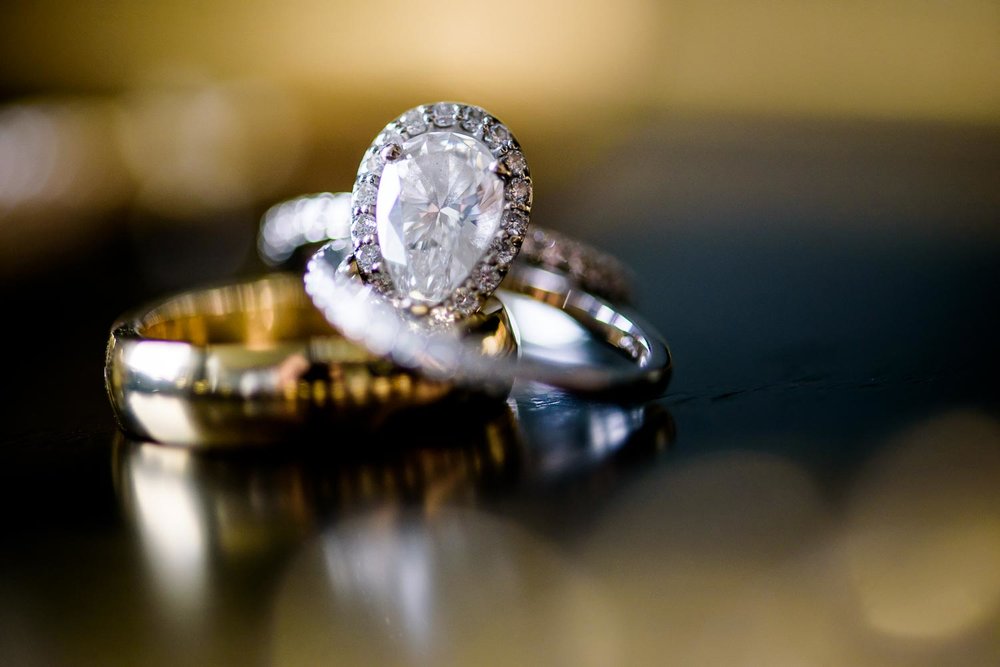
820 484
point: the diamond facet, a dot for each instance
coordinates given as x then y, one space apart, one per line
438 208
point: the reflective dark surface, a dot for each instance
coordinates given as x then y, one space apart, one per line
821 484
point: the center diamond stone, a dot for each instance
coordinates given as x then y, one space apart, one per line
438 207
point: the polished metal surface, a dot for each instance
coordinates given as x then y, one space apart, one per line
536 437
649 362
254 362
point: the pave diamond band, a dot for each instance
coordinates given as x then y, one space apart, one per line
594 270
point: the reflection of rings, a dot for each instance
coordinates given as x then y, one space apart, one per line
280 496
253 362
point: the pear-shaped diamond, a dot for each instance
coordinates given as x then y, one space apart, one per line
439 206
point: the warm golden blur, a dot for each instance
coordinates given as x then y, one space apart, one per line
185 111
537 59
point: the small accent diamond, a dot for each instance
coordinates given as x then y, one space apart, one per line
364 226
496 135
515 222
371 163
465 300
442 316
390 152
388 136
505 249
367 256
488 279
515 162
365 194
472 119
413 122
519 190
444 114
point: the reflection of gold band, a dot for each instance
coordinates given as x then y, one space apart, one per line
251 362
269 499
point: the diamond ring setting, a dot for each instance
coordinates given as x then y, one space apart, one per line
440 209
437 219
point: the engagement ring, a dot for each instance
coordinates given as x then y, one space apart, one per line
437 217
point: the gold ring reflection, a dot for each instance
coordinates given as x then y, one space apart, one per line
255 362
201 516
232 499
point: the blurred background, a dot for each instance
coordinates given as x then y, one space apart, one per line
196 113
809 193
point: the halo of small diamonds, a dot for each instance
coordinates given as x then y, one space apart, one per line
510 166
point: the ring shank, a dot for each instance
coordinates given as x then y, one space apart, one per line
619 327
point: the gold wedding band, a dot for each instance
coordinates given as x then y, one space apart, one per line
255 362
